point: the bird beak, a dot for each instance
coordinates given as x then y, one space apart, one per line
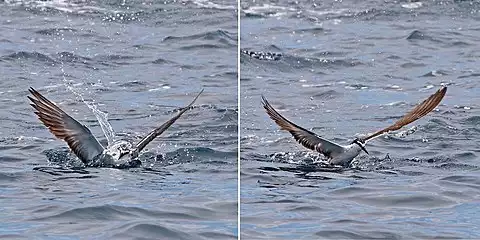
362 146
122 154
365 150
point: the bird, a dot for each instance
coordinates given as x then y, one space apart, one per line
343 155
81 141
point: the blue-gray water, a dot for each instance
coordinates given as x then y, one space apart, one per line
139 61
349 67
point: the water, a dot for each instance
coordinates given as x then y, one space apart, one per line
137 63
339 68
343 68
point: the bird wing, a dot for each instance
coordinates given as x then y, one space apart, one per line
307 138
155 133
418 112
78 136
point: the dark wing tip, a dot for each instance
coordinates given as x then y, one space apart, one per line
38 96
265 102
443 90
156 132
271 111
195 99
436 98
32 100
33 91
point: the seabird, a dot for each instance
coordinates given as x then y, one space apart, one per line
343 155
81 141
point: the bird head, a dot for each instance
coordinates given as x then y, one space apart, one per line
124 149
361 144
120 149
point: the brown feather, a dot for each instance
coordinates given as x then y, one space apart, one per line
158 131
303 136
418 112
63 126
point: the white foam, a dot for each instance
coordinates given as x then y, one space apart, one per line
212 5
79 6
269 8
412 5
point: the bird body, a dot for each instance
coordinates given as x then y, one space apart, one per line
348 153
118 154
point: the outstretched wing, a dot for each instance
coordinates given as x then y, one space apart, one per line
307 138
78 136
418 112
155 133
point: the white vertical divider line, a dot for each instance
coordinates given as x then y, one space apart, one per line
238 121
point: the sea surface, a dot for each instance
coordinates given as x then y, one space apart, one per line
341 68
138 62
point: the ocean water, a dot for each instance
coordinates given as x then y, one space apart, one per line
341 68
338 68
139 62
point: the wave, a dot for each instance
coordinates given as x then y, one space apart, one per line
221 38
64 160
307 162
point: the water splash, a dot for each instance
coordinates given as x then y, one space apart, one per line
102 117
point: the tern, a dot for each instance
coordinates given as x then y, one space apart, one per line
81 141
343 155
